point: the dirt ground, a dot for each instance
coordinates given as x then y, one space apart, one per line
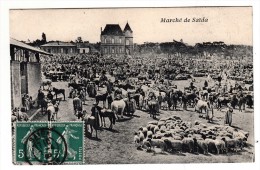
117 146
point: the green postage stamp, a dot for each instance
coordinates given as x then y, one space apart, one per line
49 143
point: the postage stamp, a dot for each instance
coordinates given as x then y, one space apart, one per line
49 143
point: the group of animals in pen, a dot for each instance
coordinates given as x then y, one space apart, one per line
174 135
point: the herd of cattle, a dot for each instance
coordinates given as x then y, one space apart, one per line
175 135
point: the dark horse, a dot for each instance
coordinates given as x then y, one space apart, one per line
110 115
59 91
76 86
101 97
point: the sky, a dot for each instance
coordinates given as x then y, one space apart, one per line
233 25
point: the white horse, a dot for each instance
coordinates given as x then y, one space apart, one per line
46 82
51 112
202 105
118 107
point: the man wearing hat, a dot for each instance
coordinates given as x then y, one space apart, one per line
228 116
95 112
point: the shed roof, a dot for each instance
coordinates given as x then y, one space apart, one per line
20 44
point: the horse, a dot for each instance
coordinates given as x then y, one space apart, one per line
59 91
153 107
102 97
45 82
191 98
202 105
77 105
222 101
51 112
91 121
110 115
118 107
76 86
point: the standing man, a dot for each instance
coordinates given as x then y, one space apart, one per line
184 100
40 97
95 112
228 116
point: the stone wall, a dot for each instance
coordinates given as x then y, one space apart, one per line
16 98
34 79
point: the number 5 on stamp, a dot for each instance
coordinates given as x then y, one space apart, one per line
42 143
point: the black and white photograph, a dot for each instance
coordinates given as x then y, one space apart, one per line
132 85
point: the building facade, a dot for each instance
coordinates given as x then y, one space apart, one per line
69 48
25 71
60 48
115 41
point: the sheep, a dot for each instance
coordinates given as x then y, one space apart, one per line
242 135
163 129
158 135
141 136
156 129
152 127
144 130
137 140
160 123
220 145
201 145
188 144
146 145
153 122
157 143
149 134
173 145
211 145
163 119
232 144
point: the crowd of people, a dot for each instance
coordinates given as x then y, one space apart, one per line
152 77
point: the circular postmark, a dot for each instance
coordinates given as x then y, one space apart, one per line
45 146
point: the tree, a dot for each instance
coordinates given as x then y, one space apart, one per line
44 38
79 40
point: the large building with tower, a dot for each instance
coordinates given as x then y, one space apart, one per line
115 41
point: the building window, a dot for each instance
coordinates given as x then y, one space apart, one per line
127 42
105 40
61 50
105 50
113 50
49 50
113 40
120 50
120 41
71 50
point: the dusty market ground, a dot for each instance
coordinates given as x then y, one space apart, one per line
117 146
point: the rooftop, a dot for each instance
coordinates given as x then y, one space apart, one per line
112 29
127 28
59 44
20 44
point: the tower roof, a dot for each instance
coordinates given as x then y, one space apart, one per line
127 28
112 29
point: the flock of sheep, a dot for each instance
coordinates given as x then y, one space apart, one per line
174 135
